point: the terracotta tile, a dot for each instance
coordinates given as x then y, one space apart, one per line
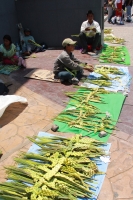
27 91
120 134
11 143
27 119
40 110
126 199
6 118
124 145
25 131
126 112
26 148
51 113
130 140
114 143
32 102
125 127
39 126
7 132
39 98
120 162
106 191
10 160
129 99
123 185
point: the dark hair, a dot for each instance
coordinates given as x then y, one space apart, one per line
90 12
7 37
27 30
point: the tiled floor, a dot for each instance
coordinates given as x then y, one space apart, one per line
20 121
45 101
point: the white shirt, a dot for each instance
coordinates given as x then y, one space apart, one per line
119 1
90 33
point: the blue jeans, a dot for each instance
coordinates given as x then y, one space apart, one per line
65 75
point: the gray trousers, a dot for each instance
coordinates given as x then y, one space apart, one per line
94 41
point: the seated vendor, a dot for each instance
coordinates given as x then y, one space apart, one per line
67 67
90 34
8 53
28 46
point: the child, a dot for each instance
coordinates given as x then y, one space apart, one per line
67 67
119 13
8 53
28 47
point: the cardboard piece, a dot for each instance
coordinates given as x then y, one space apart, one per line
42 74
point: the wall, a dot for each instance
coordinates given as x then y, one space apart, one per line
8 19
53 20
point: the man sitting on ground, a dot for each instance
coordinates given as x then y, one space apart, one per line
90 34
67 67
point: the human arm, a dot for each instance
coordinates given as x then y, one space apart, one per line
75 59
31 38
97 28
84 27
69 63
87 66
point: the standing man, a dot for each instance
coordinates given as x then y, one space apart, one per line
90 33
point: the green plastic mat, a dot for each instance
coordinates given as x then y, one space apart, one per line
7 69
113 104
118 61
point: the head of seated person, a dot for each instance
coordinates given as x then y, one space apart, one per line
90 16
7 41
68 45
27 32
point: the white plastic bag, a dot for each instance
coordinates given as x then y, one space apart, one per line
5 101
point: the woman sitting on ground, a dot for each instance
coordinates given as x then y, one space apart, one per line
8 53
67 68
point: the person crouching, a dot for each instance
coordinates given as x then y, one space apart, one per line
67 68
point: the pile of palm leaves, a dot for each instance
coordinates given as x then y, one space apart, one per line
114 40
107 31
34 43
86 116
61 169
105 70
113 54
105 80
101 82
